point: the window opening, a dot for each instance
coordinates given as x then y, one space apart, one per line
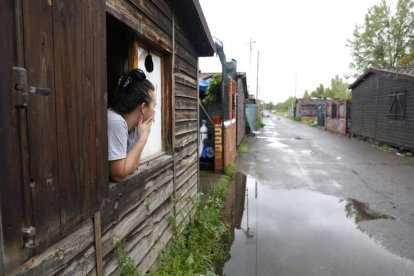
397 106
125 52
342 110
334 111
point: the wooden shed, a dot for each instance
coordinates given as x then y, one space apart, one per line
59 63
383 106
306 108
337 116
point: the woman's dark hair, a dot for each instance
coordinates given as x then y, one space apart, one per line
133 89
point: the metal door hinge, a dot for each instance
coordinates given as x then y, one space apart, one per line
28 236
23 89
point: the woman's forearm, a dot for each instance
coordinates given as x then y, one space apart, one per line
134 156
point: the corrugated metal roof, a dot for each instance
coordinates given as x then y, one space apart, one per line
409 71
406 73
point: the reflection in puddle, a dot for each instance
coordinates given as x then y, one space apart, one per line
360 211
299 232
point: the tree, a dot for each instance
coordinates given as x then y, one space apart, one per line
385 40
270 106
285 106
319 92
337 90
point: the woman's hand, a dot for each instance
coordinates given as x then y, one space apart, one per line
144 127
119 169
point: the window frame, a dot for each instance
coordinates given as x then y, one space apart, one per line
400 105
341 110
165 156
334 111
133 62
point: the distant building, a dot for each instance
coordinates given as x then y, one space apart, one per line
306 108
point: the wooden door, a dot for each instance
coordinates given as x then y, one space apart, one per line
39 61
54 153
12 161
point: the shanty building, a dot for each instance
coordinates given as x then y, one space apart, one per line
383 106
60 214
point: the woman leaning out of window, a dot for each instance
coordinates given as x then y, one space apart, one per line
129 123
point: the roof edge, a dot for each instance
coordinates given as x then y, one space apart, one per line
389 72
205 27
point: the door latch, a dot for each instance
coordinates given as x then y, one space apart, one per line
23 89
28 236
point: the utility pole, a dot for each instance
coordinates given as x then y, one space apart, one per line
257 76
294 99
250 55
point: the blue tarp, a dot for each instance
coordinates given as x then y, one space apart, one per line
203 84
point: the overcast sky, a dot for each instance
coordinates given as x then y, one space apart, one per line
294 37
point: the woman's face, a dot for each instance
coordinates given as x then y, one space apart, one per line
149 109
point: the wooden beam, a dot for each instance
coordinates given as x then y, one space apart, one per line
98 243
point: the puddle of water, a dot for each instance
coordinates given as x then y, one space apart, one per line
306 152
360 211
299 232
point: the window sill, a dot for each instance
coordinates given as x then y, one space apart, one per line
145 169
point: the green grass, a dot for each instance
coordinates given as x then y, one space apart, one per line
231 170
243 148
259 122
199 248
312 123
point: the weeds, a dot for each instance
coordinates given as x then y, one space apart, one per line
231 170
243 148
199 248
126 264
312 123
259 122
297 118
387 148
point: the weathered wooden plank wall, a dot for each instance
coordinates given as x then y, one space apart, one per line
363 112
186 131
370 107
399 132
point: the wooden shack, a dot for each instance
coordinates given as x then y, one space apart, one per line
383 106
306 109
337 116
59 63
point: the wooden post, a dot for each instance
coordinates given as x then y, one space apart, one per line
98 243
1 245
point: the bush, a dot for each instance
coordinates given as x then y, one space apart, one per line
213 94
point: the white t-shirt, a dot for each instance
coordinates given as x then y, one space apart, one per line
119 141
